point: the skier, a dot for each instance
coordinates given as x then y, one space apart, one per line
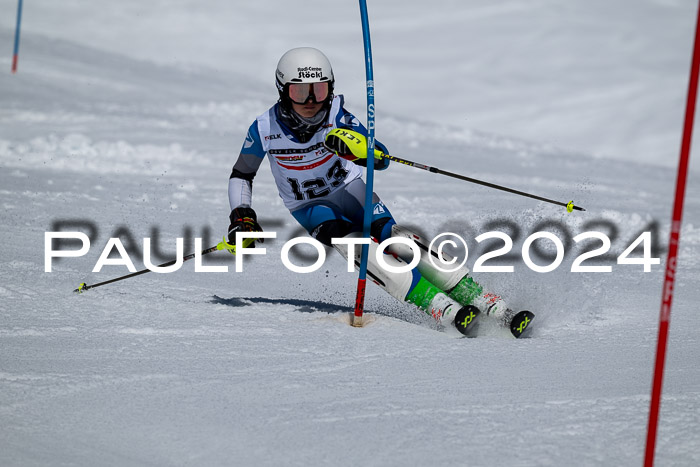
325 193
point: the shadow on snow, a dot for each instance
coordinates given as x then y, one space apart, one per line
305 306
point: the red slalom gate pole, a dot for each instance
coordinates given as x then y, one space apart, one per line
672 258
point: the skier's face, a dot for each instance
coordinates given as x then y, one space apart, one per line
307 98
307 110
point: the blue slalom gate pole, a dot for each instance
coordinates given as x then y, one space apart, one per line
362 280
15 54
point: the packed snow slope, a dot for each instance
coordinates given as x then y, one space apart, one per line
260 367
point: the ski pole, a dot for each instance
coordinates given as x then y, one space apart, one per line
220 246
345 141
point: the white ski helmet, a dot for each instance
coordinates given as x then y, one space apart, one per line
303 65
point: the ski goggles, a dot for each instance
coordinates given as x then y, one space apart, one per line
299 93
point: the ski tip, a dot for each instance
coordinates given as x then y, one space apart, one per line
81 288
521 323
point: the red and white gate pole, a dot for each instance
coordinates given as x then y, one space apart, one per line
672 259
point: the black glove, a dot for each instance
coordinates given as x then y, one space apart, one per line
243 220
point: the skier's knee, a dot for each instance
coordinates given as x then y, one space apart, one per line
335 228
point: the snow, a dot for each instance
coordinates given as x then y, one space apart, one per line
125 120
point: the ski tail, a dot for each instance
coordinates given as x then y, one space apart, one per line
521 323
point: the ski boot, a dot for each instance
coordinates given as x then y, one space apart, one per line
445 310
453 315
468 291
